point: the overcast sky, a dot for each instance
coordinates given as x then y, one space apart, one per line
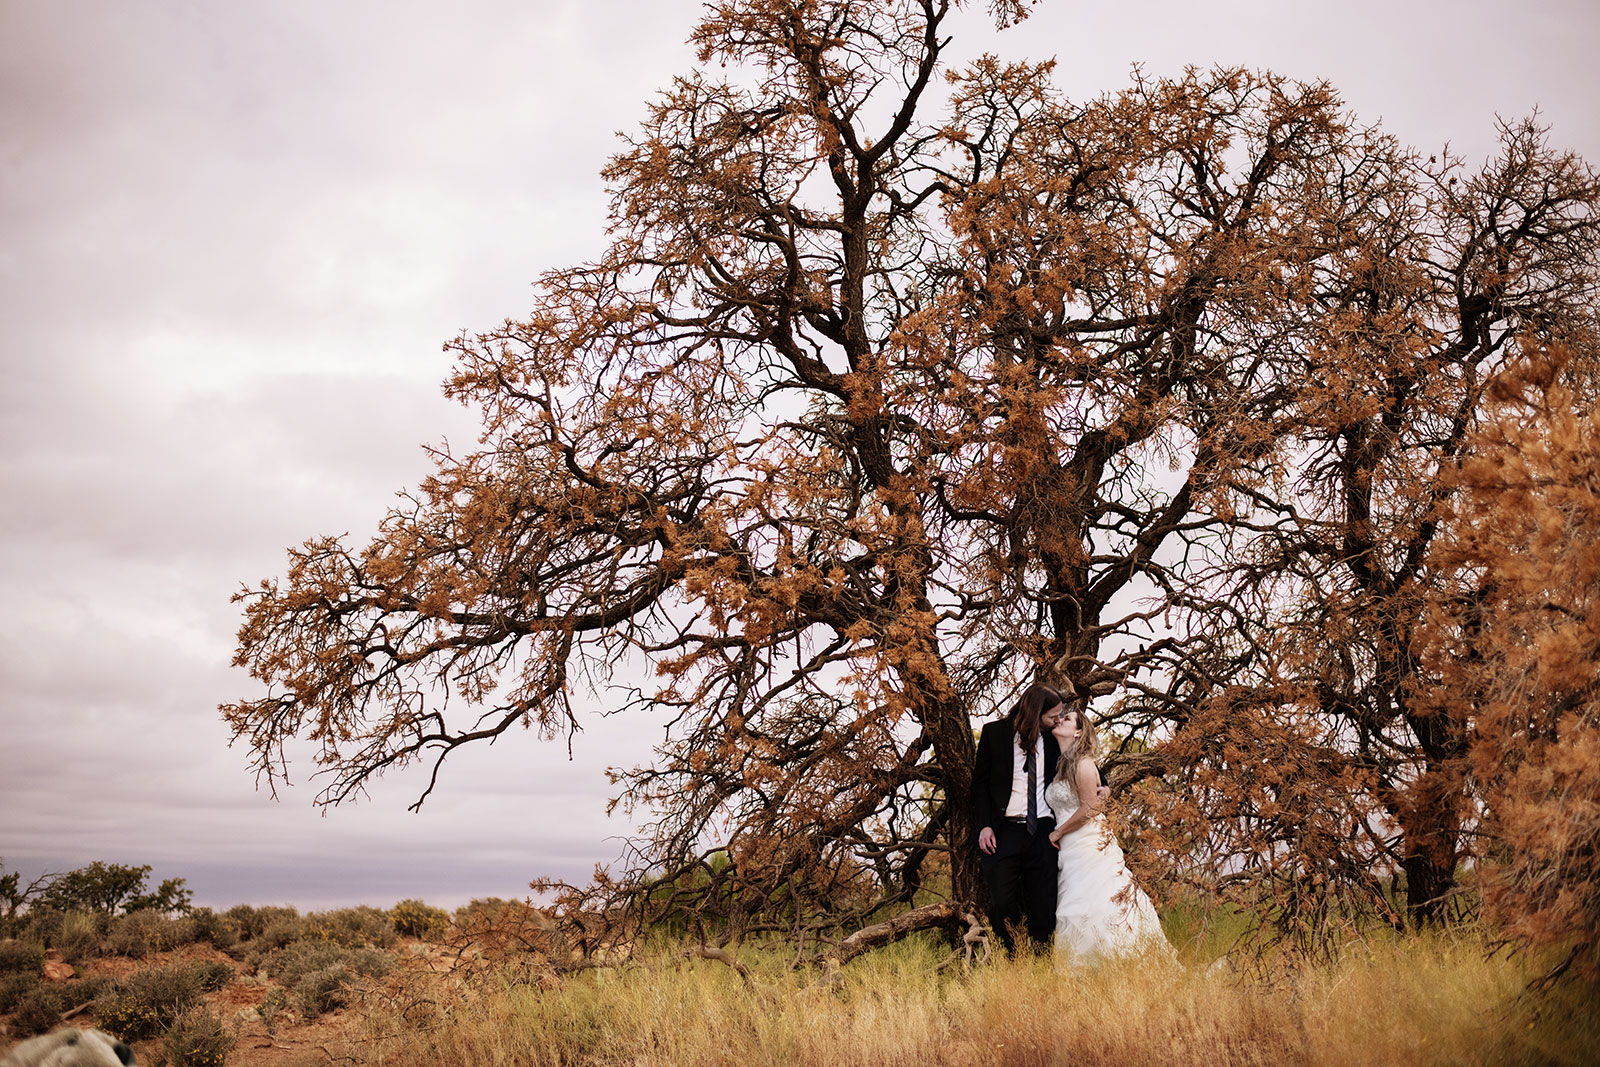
233 236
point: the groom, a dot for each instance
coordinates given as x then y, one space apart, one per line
1017 758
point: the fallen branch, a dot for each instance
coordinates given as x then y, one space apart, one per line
929 916
707 952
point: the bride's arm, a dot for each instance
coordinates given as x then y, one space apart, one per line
1087 779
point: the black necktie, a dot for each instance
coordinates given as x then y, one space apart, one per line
1031 764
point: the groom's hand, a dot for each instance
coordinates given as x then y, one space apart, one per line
1101 794
986 843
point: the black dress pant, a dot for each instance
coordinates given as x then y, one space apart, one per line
1021 875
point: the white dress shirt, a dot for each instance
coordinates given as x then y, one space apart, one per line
1017 806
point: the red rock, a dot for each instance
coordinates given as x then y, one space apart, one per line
56 971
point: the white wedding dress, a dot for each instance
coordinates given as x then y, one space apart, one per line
1091 918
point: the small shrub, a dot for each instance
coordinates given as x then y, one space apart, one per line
130 939
14 986
281 931
252 922
274 928
413 918
40 1008
147 1001
130 1020
353 927
317 973
212 974
42 925
219 930
278 934
321 991
21 957
289 964
197 1039
182 930
80 936
482 909
140 933
243 917
274 1002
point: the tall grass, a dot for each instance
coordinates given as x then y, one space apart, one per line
1422 1001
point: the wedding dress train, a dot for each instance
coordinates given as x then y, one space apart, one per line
1099 911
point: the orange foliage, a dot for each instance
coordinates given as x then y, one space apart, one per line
1517 652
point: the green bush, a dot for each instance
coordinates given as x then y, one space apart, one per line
21 971
290 963
318 973
197 1039
321 991
353 927
275 1001
279 932
252 922
212 974
39 925
481 909
21 956
140 933
16 985
80 935
130 1020
148 1001
220 930
40 1008
182 930
413 918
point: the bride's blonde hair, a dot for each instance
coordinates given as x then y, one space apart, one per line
1085 746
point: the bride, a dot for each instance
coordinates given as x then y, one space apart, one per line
1099 911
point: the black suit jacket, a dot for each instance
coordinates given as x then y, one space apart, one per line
992 773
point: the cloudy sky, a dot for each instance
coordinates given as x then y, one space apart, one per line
233 236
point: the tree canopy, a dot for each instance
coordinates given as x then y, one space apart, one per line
901 386
102 887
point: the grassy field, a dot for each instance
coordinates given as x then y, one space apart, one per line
487 987
1431 1000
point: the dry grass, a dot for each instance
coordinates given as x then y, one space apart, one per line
1420 1001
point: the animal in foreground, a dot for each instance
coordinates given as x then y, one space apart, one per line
70 1048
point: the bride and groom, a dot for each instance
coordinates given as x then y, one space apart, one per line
1052 866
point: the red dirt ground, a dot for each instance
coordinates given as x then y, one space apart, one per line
290 1041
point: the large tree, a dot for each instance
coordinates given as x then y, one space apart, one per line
884 398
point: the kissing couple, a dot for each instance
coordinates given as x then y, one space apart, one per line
1053 867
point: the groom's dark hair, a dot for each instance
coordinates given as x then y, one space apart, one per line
1024 714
